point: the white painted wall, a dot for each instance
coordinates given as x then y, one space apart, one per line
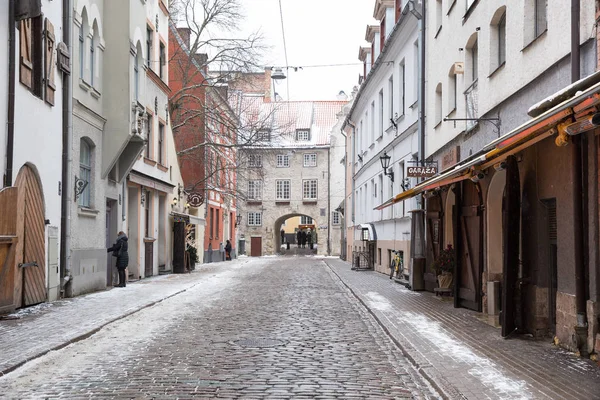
525 60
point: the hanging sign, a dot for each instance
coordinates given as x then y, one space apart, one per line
420 171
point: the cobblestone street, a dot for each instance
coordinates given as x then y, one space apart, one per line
276 327
272 330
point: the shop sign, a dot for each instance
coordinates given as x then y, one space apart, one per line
451 157
421 171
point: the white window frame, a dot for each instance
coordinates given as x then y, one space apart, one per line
283 161
303 135
254 218
283 190
255 160
85 173
336 218
310 189
304 220
310 160
254 190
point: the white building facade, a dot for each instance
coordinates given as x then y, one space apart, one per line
383 121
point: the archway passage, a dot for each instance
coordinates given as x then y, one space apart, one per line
297 234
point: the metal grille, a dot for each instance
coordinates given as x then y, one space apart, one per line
552 222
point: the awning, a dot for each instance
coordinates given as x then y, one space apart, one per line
531 132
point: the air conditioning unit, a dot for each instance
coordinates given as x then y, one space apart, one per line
459 68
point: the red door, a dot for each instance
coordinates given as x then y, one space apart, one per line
256 247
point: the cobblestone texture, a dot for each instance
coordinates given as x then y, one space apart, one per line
466 357
279 328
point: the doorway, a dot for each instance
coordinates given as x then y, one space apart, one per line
256 246
111 232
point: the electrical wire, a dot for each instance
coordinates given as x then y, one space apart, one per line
284 49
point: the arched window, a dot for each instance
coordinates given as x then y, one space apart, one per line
136 76
498 39
83 30
85 172
438 103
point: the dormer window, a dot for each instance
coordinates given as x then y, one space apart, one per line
263 135
303 135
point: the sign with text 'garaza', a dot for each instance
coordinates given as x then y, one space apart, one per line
421 171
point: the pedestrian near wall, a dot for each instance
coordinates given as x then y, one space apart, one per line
119 250
299 238
228 250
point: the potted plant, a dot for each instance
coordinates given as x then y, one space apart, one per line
443 267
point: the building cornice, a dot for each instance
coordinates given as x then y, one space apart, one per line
381 7
363 52
372 30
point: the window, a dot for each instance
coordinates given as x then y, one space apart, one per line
149 138
304 220
92 61
149 35
310 160
211 222
81 51
474 61
438 16
283 161
148 214
85 172
254 218
372 127
391 96
217 221
254 190
374 187
31 36
402 87
162 61
303 135
417 56
438 104
282 189
380 113
540 15
502 40
136 77
452 91
263 135
309 189
335 218
255 160
161 143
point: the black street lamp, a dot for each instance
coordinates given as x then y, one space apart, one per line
385 164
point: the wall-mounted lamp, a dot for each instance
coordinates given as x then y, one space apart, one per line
174 202
501 166
477 176
238 220
385 164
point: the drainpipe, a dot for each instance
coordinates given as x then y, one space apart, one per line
67 145
328 202
577 198
10 118
421 93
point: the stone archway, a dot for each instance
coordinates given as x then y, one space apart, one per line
276 238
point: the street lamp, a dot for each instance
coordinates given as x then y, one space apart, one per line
385 164
277 76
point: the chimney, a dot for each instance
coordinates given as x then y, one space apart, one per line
184 33
342 96
267 85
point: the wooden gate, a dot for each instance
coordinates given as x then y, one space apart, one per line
511 216
8 244
148 258
468 231
256 247
30 252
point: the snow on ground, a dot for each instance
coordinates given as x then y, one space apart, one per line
481 368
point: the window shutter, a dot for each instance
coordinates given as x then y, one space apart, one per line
50 62
26 50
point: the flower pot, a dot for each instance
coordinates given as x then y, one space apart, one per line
445 280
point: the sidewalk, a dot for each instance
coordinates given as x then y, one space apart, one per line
51 326
462 356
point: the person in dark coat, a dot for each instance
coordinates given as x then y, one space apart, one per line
228 250
309 238
303 238
299 238
119 250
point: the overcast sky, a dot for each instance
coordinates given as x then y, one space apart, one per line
317 32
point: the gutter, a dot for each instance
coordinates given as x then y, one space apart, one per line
10 118
67 154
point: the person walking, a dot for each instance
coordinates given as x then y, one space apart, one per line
299 238
309 239
282 237
303 238
228 250
119 250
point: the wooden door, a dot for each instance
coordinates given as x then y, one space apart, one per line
256 247
8 244
511 216
149 258
469 246
31 254
179 247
